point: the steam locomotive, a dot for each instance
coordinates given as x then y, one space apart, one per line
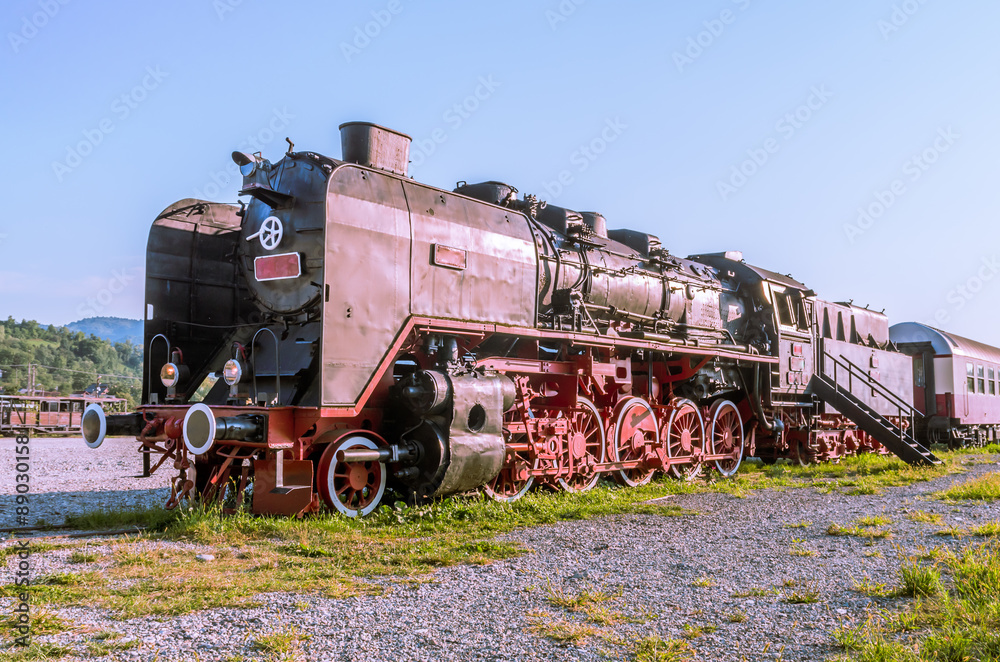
350 329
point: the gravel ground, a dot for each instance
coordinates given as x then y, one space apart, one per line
660 566
67 478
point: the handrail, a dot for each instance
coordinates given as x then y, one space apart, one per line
889 395
853 370
277 364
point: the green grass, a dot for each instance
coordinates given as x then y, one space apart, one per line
802 596
797 525
703 582
561 630
35 652
655 649
283 641
84 556
582 600
736 616
874 520
873 589
755 592
859 530
695 631
925 517
984 488
990 529
957 620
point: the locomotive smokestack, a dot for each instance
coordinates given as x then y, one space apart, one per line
375 146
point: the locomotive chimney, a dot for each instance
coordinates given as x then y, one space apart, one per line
375 146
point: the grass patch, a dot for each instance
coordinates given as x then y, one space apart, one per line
695 631
35 651
950 532
859 530
84 556
283 641
919 580
958 622
875 590
581 601
561 630
755 592
984 488
802 596
736 616
797 525
990 529
43 622
925 517
703 582
874 521
655 649
101 647
593 603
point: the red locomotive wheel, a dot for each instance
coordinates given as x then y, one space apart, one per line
635 434
351 488
726 428
585 448
803 455
684 436
513 481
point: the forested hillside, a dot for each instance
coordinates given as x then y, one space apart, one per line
71 360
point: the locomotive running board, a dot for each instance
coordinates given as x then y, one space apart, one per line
899 441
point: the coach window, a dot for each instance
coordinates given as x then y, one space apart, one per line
990 380
981 374
970 377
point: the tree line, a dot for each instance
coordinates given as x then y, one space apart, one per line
63 351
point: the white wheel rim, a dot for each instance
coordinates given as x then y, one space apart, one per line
717 412
355 442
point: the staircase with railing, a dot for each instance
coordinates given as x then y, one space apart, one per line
830 389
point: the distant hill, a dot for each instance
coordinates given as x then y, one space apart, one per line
112 329
69 361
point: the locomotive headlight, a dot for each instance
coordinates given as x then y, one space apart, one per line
246 162
232 372
169 374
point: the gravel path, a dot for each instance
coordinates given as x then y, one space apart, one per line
67 478
677 573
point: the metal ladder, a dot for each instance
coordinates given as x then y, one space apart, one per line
901 442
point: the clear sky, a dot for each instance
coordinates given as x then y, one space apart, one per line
852 143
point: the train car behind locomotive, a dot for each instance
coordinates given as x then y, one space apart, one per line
349 329
956 384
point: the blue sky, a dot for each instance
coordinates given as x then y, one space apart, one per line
766 127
